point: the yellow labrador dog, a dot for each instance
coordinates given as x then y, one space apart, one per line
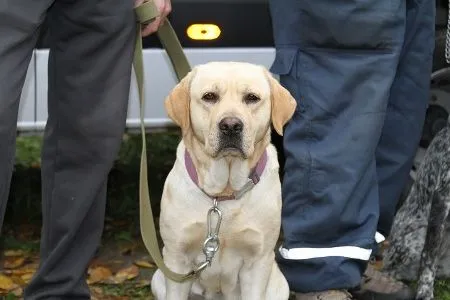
226 165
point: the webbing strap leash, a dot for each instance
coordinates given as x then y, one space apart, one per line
145 13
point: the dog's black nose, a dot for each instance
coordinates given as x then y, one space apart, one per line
231 126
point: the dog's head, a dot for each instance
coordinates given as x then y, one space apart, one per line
228 107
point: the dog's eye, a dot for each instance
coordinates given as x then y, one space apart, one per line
251 98
210 97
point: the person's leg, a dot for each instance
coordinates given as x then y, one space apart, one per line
91 50
407 106
19 23
402 130
338 59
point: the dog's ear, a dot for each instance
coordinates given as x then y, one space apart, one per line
283 104
177 103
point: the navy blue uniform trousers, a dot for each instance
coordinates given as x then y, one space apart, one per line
360 72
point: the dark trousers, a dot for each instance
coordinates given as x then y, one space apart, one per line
360 71
91 48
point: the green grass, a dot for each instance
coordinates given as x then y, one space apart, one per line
24 245
24 202
442 290
128 289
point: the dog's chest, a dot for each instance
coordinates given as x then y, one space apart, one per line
240 232
248 224
241 241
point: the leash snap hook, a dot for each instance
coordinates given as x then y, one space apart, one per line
212 243
214 210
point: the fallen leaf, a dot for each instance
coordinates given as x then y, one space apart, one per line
378 265
126 274
36 165
13 262
98 274
117 261
18 280
96 293
142 283
96 290
126 249
144 264
28 269
9 253
6 283
27 277
17 292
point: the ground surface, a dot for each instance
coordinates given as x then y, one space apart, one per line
122 269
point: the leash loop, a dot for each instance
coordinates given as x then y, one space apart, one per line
145 14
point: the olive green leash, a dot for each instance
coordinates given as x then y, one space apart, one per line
146 13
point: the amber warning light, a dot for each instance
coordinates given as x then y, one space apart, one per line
203 31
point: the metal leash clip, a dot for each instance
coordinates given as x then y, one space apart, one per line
212 243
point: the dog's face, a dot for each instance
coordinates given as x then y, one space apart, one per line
228 107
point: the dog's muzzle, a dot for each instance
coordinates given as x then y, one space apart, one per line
230 134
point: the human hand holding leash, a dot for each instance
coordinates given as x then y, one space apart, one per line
164 8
